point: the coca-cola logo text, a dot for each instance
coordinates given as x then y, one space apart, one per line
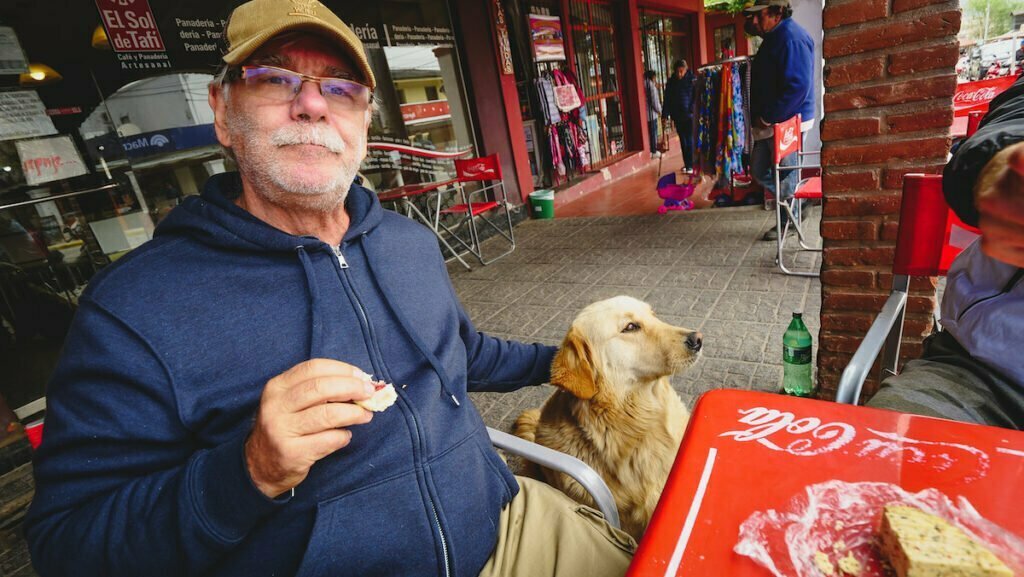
975 96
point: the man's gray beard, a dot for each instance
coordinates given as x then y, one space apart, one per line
256 163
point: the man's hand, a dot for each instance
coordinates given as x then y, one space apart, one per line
1000 201
761 123
301 419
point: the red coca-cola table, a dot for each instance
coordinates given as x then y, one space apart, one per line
746 452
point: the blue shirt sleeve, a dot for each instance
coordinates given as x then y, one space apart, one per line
499 365
121 486
795 67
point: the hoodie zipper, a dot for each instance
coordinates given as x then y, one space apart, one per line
341 261
419 438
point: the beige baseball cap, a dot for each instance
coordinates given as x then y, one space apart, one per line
762 4
254 23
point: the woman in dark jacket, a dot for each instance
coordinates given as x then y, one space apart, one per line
678 105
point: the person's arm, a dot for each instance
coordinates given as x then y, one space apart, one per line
497 365
121 486
503 366
693 94
796 70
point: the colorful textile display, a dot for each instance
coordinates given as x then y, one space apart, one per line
568 143
722 130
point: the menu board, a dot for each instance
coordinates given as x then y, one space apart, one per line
22 115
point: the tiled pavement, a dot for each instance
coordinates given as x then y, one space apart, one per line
704 270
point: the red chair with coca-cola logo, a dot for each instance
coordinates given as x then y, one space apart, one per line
482 190
789 141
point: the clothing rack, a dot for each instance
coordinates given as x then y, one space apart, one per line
722 139
732 60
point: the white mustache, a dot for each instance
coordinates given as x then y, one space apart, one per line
308 134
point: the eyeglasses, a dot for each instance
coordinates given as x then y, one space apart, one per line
280 85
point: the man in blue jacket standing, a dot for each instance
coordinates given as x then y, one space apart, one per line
207 416
781 86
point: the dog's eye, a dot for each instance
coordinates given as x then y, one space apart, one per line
631 328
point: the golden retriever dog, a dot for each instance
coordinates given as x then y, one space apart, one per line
614 408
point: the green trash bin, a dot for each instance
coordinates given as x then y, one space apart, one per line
542 203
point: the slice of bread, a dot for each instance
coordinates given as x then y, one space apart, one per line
917 544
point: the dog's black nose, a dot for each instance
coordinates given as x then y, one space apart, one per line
695 341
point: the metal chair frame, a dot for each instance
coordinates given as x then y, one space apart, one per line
563 463
795 216
923 248
474 244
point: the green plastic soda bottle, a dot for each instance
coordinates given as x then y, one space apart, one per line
797 378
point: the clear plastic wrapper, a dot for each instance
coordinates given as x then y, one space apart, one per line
837 519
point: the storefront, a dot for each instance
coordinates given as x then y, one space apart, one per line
600 48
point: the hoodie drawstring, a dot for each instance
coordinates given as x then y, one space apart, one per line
420 345
314 305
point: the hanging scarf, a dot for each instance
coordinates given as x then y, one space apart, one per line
705 120
738 124
722 157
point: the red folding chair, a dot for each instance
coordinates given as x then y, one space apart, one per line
479 178
930 236
788 141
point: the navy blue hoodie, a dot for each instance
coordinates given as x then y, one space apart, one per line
782 75
141 471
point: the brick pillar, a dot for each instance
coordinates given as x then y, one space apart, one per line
889 82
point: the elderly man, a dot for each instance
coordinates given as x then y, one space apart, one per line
782 86
203 419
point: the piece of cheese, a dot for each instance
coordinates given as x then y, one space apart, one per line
918 544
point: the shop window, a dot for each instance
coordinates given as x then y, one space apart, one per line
79 193
725 42
597 67
416 133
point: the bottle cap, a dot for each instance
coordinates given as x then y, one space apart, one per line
798 314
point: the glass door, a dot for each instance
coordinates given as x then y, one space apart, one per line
665 38
597 67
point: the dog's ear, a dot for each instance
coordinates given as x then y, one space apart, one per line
573 367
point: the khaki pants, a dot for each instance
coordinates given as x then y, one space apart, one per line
543 533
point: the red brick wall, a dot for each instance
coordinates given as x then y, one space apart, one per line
889 82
